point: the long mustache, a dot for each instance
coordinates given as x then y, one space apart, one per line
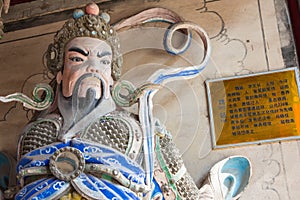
82 106
74 108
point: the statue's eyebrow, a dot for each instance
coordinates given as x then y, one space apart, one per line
104 53
78 50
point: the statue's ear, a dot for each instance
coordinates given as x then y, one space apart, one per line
59 77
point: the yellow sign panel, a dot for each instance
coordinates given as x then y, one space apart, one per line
254 108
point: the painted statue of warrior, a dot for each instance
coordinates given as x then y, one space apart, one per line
85 146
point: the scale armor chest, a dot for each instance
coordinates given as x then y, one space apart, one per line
119 130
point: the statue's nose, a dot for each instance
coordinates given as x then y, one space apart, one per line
92 66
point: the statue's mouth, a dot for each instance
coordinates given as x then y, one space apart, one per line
89 86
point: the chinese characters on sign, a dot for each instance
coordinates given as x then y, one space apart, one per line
254 108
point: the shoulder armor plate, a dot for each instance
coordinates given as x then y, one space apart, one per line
39 133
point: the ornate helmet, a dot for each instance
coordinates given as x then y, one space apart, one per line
90 23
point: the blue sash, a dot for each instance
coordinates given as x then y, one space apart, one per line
85 184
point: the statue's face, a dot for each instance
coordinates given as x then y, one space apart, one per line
87 66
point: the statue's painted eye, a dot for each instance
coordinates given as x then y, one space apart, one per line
76 59
105 62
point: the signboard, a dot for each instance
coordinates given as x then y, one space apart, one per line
254 108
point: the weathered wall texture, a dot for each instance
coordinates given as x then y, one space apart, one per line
246 35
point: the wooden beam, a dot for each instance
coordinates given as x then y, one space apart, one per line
117 8
40 12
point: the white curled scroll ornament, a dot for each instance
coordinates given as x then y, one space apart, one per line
145 93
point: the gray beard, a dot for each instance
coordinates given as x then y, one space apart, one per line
74 108
84 105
